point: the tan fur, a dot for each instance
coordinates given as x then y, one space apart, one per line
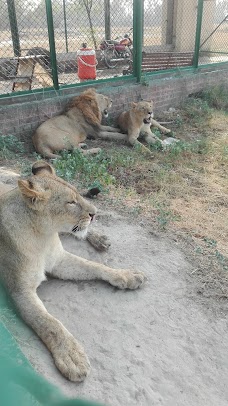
131 123
99 241
87 103
30 218
81 118
4 188
138 120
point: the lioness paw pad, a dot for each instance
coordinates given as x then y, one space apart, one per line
72 363
129 279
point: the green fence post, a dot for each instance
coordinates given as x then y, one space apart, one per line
51 36
107 19
138 9
65 24
14 27
198 33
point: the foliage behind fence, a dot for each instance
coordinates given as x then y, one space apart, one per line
39 39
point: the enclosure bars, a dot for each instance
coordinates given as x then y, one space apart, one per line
65 25
138 11
14 27
51 37
198 33
209 36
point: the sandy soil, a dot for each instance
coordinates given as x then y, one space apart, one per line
154 346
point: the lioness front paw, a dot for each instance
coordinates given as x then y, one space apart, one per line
99 241
72 361
125 279
166 131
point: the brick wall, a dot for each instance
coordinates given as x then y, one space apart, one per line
21 115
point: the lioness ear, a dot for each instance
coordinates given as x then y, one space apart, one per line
42 166
133 104
30 191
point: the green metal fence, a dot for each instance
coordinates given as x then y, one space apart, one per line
40 39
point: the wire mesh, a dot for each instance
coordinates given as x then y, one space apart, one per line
24 46
169 34
169 28
96 25
214 33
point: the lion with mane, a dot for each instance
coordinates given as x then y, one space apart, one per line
69 130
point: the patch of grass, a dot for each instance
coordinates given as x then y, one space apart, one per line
196 110
183 147
144 80
87 170
156 132
216 97
10 147
222 259
212 251
165 217
122 158
178 121
156 146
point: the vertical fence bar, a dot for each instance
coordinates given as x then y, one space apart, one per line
198 33
138 9
14 27
65 24
107 19
51 36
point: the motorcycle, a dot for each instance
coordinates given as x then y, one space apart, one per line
117 50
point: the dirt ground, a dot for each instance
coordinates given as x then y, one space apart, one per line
160 345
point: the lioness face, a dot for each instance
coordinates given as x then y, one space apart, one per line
62 207
143 110
104 103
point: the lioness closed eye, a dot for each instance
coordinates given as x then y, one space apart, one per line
30 218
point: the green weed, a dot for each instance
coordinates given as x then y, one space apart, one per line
10 147
196 110
144 80
121 158
216 97
156 146
88 171
178 121
210 242
221 259
165 217
196 147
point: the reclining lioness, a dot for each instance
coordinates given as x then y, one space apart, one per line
30 218
136 122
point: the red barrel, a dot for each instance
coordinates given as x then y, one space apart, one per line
86 63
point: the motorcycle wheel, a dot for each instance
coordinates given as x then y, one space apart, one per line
108 56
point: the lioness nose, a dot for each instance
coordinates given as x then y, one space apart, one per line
150 112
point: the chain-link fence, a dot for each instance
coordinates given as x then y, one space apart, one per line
214 33
24 34
46 43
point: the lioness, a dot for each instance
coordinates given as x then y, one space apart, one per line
30 218
135 122
138 120
69 130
